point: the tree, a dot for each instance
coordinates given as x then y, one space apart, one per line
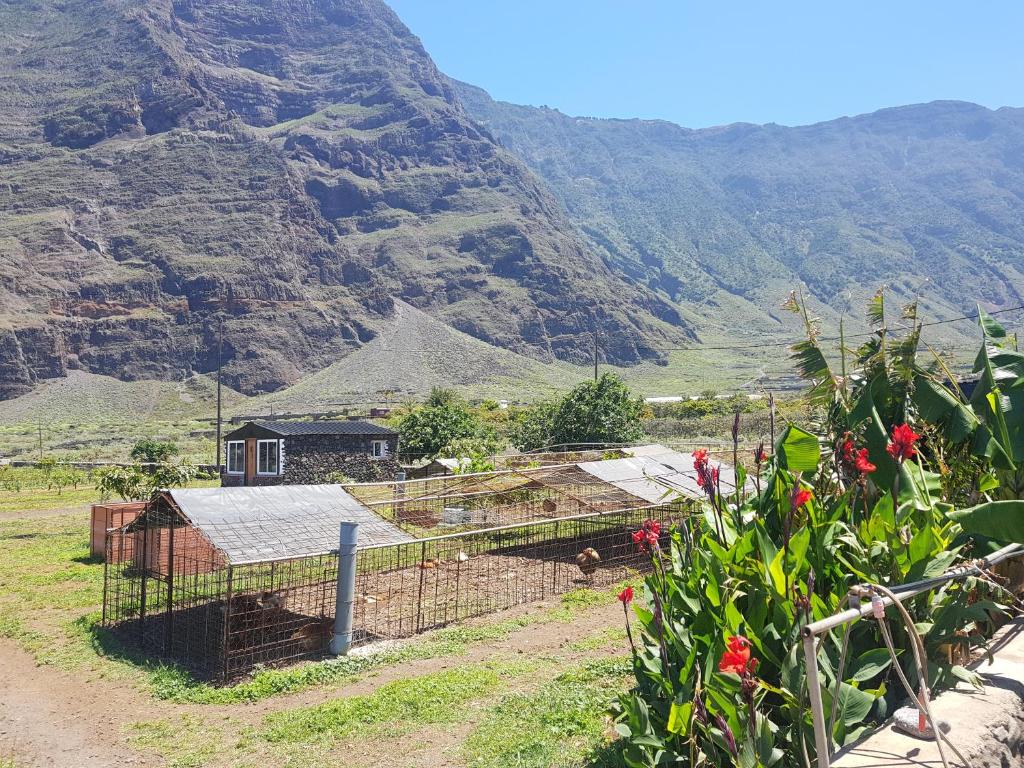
150 451
602 411
427 431
131 483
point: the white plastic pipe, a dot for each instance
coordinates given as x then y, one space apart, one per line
346 593
821 738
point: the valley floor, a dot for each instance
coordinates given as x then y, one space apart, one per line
528 687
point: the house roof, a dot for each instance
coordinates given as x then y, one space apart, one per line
323 427
280 522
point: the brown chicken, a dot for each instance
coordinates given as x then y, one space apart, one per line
549 506
315 635
588 560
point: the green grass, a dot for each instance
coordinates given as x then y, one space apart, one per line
176 684
185 742
562 723
51 592
40 499
394 708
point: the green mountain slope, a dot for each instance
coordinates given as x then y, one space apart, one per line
291 165
925 199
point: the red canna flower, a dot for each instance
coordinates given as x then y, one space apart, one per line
902 442
846 450
861 463
800 497
626 596
647 535
736 658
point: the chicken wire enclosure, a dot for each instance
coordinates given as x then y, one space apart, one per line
452 503
405 589
225 580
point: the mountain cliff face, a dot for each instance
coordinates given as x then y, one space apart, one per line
287 168
926 198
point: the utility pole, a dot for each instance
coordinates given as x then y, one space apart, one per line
39 424
595 355
220 361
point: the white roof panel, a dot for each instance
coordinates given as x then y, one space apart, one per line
640 476
683 462
279 522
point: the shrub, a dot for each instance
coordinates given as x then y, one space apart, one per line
716 655
428 431
150 451
602 411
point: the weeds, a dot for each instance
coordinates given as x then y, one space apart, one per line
562 723
395 707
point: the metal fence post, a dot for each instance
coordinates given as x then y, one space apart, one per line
346 593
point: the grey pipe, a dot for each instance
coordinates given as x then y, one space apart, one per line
342 640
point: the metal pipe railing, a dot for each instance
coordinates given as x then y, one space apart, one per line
810 632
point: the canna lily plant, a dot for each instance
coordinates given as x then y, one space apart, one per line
866 497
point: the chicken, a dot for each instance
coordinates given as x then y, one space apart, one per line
271 601
588 560
428 564
549 506
463 557
314 636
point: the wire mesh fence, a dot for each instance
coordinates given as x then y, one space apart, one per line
168 590
446 504
405 589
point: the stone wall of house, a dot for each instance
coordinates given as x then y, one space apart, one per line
322 458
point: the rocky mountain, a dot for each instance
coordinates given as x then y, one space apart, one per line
926 199
284 170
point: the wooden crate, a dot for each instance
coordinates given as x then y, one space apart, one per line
112 515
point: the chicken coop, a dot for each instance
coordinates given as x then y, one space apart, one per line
222 580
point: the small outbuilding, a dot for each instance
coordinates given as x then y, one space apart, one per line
225 579
309 452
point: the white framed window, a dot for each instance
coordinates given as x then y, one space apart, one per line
268 457
379 449
236 457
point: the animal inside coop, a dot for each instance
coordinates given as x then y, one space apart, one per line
225 579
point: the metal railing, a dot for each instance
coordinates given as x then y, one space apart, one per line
811 632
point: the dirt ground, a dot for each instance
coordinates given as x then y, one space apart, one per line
54 719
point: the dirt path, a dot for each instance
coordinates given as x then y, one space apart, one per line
53 719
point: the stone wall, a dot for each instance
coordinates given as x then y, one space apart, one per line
316 458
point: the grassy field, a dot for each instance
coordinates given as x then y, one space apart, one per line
460 696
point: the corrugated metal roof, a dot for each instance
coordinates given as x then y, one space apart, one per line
683 462
279 522
639 476
325 427
654 471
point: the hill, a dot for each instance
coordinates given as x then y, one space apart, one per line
293 167
927 199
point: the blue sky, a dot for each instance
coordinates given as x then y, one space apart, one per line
709 63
